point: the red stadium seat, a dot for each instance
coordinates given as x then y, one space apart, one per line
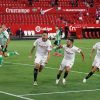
90 35
86 35
98 34
94 35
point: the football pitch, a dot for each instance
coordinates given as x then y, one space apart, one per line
16 76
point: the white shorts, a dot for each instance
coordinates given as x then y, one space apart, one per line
66 63
40 60
96 63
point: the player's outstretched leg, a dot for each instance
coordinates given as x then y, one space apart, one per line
58 77
7 54
90 74
12 53
67 69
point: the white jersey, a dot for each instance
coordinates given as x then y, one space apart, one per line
69 53
6 34
42 47
97 47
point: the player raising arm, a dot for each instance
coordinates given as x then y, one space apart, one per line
43 48
69 56
96 62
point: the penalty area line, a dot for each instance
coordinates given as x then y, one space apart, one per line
17 96
63 92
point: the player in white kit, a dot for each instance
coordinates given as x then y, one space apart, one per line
69 56
96 62
43 48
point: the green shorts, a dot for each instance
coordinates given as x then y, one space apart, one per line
4 49
57 42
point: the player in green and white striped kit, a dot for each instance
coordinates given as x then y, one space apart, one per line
58 41
4 40
1 58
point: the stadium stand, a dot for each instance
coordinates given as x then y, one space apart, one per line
19 13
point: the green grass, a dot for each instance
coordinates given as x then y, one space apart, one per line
17 78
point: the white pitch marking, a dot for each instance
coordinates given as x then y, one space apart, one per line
18 63
50 68
85 48
13 95
63 92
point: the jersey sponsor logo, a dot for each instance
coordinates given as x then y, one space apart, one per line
68 52
41 45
